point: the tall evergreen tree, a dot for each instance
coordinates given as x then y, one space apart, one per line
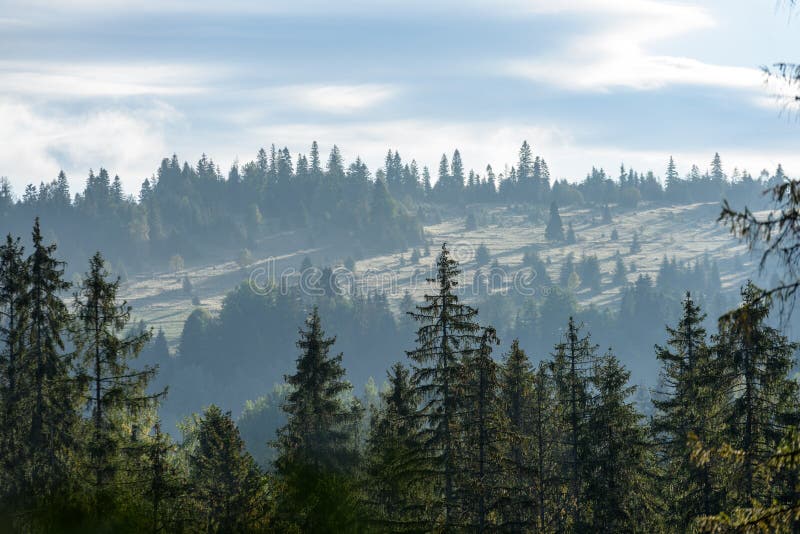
485 437
448 333
53 391
572 366
14 378
118 397
517 398
763 401
618 483
317 449
225 479
391 447
318 430
687 404
547 426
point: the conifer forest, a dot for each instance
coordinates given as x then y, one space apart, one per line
569 306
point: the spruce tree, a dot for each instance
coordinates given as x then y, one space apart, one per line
391 447
547 426
166 487
620 272
571 238
762 398
118 397
484 428
318 446
448 333
572 366
687 406
53 393
14 378
554 230
618 483
318 430
225 479
517 399
636 247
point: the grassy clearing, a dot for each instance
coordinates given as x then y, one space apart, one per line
685 232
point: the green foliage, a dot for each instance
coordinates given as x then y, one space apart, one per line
688 404
318 448
457 442
117 401
447 335
228 488
259 421
319 428
761 399
589 272
391 490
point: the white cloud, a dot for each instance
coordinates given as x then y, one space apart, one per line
35 145
498 8
618 53
634 71
92 79
336 99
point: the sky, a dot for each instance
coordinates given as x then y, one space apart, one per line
117 84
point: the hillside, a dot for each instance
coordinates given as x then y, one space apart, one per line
686 232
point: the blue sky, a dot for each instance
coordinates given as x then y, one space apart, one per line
90 83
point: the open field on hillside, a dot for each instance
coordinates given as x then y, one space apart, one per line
685 232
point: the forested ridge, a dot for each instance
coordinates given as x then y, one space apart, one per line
197 213
459 439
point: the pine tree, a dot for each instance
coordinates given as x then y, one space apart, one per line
636 247
117 396
687 405
391 447
485 434
717 173
517 398
572 366
758 360
426 182
457 173
318 446
673 184
547 425
443 185
14 317
314 160
618 486
554 230
448 334
225 479
620 272
53 391
318 431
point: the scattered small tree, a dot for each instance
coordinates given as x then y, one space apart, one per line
482 256
636 247
554 230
